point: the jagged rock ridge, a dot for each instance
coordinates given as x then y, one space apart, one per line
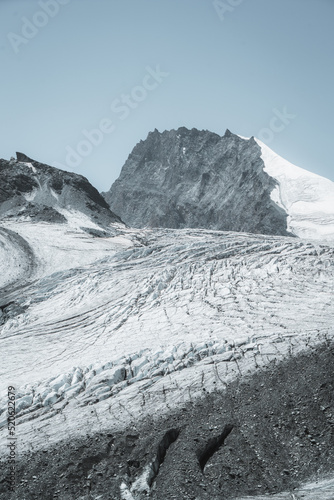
33 190
191 178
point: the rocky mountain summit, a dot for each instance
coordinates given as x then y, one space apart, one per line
198 179
37 192
191 178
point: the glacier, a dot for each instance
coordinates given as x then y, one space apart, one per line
149 320
137 334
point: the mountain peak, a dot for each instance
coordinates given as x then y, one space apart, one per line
196 178
39 192
23 158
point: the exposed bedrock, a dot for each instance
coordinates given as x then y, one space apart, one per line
197 179
37 192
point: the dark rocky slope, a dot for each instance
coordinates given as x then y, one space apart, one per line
32 189
191 178
270 432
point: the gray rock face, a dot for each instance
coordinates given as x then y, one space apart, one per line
191 178
23 157
35 190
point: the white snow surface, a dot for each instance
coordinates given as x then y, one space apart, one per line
57 247
307 198
111 329
30 165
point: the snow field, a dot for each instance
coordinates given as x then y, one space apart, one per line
307 198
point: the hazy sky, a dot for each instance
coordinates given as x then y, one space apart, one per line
125 67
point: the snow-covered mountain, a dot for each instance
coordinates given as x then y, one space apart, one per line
137 353
33 191
307 198
191 178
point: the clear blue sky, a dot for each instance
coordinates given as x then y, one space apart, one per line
64 66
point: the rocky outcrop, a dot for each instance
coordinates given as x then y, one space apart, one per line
23 157
191 178
36 191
